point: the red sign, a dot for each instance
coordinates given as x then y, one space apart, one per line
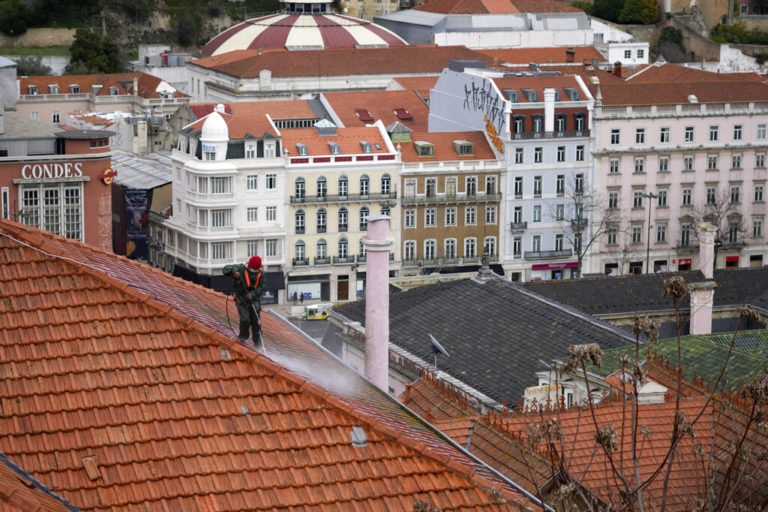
731 259
555 266
108 176
683 261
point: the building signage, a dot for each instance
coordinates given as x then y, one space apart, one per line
108 176
209 147
555 266
685 261
52 170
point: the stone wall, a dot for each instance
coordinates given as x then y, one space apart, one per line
40 37
752 22
697 46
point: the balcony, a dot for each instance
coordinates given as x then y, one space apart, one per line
547 255
300 262
549 135
320 260
579 223
343 227
517 227
333 198
300 230
342 260
449 199
360 258
321 229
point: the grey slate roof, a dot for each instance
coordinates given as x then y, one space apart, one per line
18 126
142 172
497 333
628 294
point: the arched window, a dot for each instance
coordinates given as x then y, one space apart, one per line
450 248
322 219
470 247
299 221
343 219
489 246
343 187
364 212
343 248
361 251
386 185
322 187
300 253
322 251
365 185
300 188
429 249
410 250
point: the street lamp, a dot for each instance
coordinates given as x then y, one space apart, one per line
650 196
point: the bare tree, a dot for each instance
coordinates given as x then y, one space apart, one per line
724 212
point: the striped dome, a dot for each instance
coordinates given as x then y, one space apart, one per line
302 32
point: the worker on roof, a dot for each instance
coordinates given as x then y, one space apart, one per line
248 285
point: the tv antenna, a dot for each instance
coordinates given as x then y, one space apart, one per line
437 348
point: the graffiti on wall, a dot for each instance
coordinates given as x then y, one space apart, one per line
484 98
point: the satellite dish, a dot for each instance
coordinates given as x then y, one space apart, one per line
437 348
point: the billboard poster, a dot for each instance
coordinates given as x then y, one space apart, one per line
136 219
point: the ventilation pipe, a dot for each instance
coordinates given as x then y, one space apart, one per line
377 246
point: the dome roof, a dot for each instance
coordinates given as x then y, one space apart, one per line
215 128
302 32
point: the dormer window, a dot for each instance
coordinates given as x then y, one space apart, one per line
74 89
53 89
114 91
250 150
334 147
511 95
366 146
557 94
573 94
209 152
462 147
424 148
269 150
32 89
302 149
531 95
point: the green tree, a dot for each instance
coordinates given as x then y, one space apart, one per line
31 66
97 55
14 17
644 12
607 9
187 29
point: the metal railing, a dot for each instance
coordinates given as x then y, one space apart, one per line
445 198
334 198
549 135
547 255
518 226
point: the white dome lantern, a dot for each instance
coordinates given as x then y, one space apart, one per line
215 128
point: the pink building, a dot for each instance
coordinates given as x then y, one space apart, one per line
675 147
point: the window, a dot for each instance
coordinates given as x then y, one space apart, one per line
299 221
613 166
219 250
688 163
322 220
759 159
322 249
661 198
664 135
364 212
578 184
735 193
4 203
688 134
32 89
209 152
537 186
685 235
637 199
271 181
637 234
450 216
250 151
560 185
35 115
713 133
252 182
221 218
661 233
757 227
759 193
490 184
490 215
580 121
409 250
471 185
627 54
343 187
561 153
735 161
489 245
538 123
518 123
761 131
343 248
559 211
449 248
613 199
470 216
538 155
220 185
615 136
560 122
430 187
639 164
429 217
518 155
252 214
559 242
712 162
300 188
517 246
641 54
470 247
429 249
687 195
56 117
271 213
640 136
733 231
74 89
518 187
386 185
322 188
410 218
365 186
737 132
537 213
517 215
711 195
663 163
611 236
579 153
536 243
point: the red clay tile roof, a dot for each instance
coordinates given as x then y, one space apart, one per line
381 105
675 73
542 55
401 60
147 84
495 6
539 83
443 147
123 389
239 126
348 140
279 109
19 492
422 85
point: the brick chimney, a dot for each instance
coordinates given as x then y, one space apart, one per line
570 55
617 68
377 245
703 294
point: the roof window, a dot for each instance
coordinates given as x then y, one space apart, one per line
573 94
302 149
114 91
366 146
53 89
531 95
462 147
424 148
32 89
364 115
402 113
74 89
511 95
334 147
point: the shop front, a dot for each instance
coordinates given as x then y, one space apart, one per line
684 264
556 271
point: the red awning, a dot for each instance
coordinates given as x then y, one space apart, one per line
730 259
684 261
364 115
555 266
402 113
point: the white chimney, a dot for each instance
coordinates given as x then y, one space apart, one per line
707 249
377 245
703 294
549 110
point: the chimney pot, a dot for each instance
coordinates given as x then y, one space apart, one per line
570 55
617 68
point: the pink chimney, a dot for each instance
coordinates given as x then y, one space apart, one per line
377 245
703 294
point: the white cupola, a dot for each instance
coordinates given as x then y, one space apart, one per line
215 135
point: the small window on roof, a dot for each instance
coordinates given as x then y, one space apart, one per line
334 147
53 89
424 148
462 147
74 89
301 149
402 113
364 115
32 89
377 146
557 94
366 146
531 95
114 91
511 95
573 94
